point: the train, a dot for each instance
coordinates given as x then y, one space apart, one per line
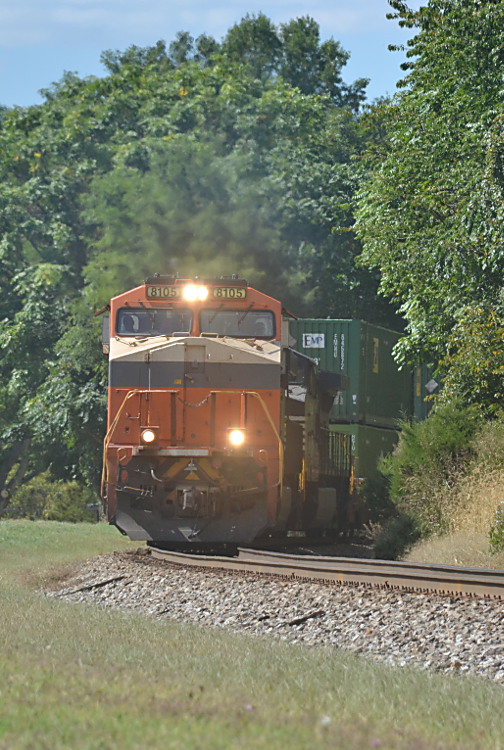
218 429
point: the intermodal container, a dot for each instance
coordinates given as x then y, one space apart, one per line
425 385
379 392
367 445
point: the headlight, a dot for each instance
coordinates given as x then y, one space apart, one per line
236 437
148 436
193 293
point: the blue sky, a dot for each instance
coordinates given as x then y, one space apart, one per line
40 39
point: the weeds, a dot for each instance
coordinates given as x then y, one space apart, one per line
496 533
445 477
395 537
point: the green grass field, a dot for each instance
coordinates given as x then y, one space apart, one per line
73 676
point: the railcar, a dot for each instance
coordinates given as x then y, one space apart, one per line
217 430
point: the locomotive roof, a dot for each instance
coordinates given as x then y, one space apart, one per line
174 279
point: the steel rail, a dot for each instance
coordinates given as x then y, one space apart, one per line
384 574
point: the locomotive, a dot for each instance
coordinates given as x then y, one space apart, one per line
217 429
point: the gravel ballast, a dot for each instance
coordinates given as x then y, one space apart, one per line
445 634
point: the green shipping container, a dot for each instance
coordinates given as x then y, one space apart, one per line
379 393
424 385
368 444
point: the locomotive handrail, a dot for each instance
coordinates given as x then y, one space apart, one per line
112 427
130 394
273 427
269 418
277 435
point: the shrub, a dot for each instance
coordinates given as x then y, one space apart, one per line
429 459
445 476
69 502
376 496
479 492
474 364
395 537
30 499
53 501
496 533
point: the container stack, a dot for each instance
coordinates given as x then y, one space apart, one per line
379 393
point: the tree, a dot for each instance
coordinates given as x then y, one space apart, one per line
294 52
26 343
316 67
196 209
254 43
430 216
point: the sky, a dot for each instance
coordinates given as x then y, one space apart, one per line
41 39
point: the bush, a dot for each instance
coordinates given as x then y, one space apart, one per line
376 496
445 476
496 533
395 537
69 502
429 459
30 499
52 501
474 364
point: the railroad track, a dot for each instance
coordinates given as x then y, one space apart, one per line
413 577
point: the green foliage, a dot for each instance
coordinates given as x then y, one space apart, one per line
193 208
254 43
70 502
427 462
27 338
445 477
391 531
376 496
489 443
431 214
395 537
292 52
43 498
474 361
496 532
30 499
69 409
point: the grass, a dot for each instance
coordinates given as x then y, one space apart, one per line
475 498
74 676
465 547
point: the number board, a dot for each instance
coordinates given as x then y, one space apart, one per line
229 292
163 292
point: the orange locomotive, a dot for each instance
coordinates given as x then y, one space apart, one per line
216 428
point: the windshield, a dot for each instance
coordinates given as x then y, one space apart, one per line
241 324
152 322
